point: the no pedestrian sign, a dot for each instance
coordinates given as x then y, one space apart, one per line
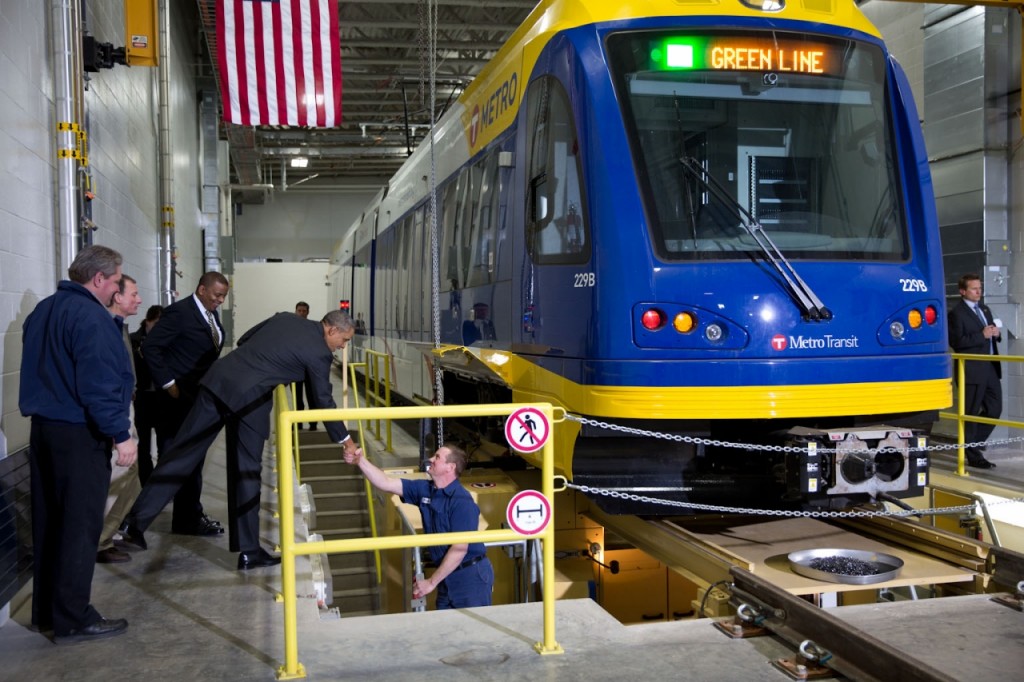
527 429
528 513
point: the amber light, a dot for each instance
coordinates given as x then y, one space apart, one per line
684 323
930 314
652 319
914 318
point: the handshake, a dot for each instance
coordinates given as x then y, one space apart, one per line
353 456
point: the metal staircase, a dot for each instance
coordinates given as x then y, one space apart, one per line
337 501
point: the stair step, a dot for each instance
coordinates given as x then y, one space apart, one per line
356 592
361 561
327 485
352 571
344 501
327 467
344 533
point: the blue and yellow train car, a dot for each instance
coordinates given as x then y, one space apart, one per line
711 219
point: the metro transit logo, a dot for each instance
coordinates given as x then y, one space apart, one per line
827 342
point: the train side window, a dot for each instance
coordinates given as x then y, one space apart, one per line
556 228
482 261
470 225
456 271
449 262
416 264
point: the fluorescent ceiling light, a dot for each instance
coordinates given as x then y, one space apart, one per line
300 162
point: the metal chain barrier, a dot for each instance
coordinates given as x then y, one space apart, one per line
767 448
788 513
824 514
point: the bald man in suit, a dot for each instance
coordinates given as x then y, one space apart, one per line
237 394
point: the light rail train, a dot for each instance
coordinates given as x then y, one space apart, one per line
703 219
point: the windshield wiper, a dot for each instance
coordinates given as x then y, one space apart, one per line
812 307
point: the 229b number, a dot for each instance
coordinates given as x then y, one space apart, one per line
584 279
913 285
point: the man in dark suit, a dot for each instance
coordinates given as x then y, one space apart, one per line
179 351
972 329
237 393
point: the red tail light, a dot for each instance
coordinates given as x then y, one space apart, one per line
652 319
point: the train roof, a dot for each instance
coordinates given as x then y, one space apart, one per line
460 134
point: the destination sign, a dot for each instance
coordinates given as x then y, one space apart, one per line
735 53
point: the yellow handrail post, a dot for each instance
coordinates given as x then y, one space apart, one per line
387 396
295 436
366 483
549 645
292 669
961 393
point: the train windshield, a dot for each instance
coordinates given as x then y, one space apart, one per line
795 129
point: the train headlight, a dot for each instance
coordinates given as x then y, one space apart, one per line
914 318
930 314
896 329
713 332
684 323
652 319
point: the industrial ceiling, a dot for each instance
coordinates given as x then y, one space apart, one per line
385 90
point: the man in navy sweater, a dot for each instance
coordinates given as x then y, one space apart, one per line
76 385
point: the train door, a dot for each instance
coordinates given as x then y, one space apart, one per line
557 281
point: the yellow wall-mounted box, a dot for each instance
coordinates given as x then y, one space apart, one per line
140 33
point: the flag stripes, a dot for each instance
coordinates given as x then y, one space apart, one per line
280 62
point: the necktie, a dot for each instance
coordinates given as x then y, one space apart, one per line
213 328
984 322
981 315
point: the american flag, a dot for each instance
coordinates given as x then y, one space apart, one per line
280 62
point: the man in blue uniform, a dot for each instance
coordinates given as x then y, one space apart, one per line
464 576
76 385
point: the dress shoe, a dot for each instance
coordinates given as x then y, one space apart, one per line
204 526
101 629
257 559
112 555
132 535
981 463
208 526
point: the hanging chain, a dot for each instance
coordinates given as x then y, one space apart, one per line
435 237
422 33
789 513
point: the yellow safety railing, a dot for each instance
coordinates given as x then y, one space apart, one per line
960 416
377 387
366 483
279 405
290 549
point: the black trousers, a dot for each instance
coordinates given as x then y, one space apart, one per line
188 508
246 434
70 466
300 390
147 420
984 399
